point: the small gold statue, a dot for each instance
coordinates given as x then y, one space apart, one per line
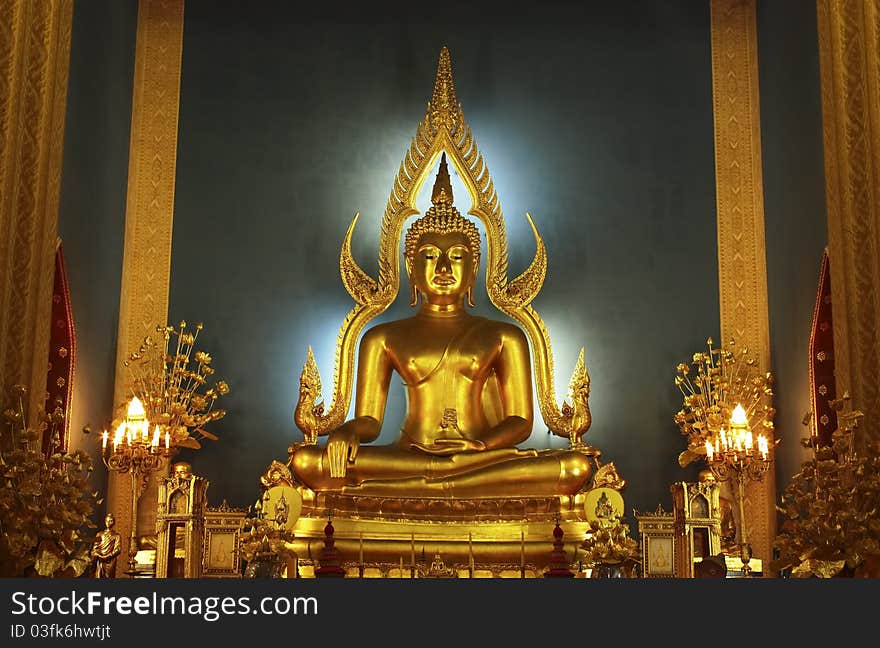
728 522
468 382
181 473
107 547
182 470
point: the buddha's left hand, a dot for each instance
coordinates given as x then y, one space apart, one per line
444 447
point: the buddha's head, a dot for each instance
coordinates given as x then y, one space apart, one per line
109 521
442 250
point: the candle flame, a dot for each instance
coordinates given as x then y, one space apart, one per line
136 409
739 417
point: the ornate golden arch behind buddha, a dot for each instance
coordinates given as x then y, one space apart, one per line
443 130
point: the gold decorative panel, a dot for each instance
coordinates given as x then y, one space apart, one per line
742 263
849 61
146 266
34 60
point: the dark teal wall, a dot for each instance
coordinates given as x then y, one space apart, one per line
794 207
595 119
91 216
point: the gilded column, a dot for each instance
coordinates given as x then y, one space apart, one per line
149 211
742 263
34 60
849 62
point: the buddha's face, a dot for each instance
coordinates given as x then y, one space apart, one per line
706 477
182 470
109 521
443 268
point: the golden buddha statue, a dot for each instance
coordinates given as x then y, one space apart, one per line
470 382
468 385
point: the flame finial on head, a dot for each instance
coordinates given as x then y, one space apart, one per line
443 108
442 192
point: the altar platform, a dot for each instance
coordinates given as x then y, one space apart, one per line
489 536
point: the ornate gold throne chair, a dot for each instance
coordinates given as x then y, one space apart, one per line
490 535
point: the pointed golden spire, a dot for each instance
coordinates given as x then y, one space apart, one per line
443 108
442 192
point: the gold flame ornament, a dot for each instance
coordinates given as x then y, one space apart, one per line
443 130
713 385
170 386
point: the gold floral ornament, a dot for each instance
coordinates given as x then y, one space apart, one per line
831 507
608 545
713 384
266 541
46 501
171 379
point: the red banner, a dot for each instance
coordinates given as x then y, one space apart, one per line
62 347
822 386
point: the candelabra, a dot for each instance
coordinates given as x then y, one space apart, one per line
136 453
735 455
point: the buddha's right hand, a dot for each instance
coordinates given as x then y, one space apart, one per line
342 447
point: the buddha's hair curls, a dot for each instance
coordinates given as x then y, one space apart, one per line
441 223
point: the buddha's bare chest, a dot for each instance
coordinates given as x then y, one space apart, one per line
425 356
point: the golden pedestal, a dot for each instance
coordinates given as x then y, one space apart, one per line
487 537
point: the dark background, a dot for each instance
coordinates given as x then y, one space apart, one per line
595 119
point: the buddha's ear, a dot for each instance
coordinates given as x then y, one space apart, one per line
407 263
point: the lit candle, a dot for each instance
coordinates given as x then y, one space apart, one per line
723 440
166 440
710 451
739 418
135 409
748 439
145 430
104 441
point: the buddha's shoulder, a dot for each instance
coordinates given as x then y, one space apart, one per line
386 331
496 327
506 330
